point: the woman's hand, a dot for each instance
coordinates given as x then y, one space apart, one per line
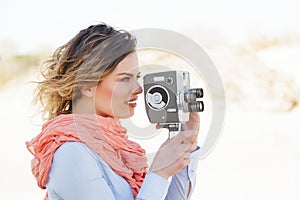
174 154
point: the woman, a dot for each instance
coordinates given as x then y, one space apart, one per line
83 151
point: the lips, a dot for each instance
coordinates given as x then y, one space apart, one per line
132 102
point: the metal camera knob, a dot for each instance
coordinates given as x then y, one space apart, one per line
157 98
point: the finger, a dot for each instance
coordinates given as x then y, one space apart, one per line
157 126
194 121
186 147
186 158
183 160
195 116
191 147
189 135
185 139
194 146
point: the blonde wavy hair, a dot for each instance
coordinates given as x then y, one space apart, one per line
82 62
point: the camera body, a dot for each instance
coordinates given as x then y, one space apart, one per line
169 98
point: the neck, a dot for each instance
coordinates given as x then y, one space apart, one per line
84 105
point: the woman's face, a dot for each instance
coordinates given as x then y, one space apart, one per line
116 95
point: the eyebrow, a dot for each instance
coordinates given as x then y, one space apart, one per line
128 74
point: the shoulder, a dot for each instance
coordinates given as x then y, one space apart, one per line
75 159
75 156
75 150
76 173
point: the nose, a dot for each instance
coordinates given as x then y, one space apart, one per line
138 89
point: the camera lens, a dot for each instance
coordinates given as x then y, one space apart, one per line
197 91
192 94
196 106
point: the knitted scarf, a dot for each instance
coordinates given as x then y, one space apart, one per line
104 135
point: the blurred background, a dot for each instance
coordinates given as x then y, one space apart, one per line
255 46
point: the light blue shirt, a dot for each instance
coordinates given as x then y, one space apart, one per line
78 173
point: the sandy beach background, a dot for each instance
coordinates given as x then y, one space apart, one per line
258 154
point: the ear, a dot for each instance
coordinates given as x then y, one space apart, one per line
88 91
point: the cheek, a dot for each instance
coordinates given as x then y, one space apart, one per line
111 94
103 96
119 93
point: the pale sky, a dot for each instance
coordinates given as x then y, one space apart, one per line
31 24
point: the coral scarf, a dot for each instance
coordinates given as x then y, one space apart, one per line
102 134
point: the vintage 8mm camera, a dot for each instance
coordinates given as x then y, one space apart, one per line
169 98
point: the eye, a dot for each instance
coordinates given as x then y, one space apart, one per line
125 79
138 76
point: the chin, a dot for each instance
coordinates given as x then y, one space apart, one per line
124 115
